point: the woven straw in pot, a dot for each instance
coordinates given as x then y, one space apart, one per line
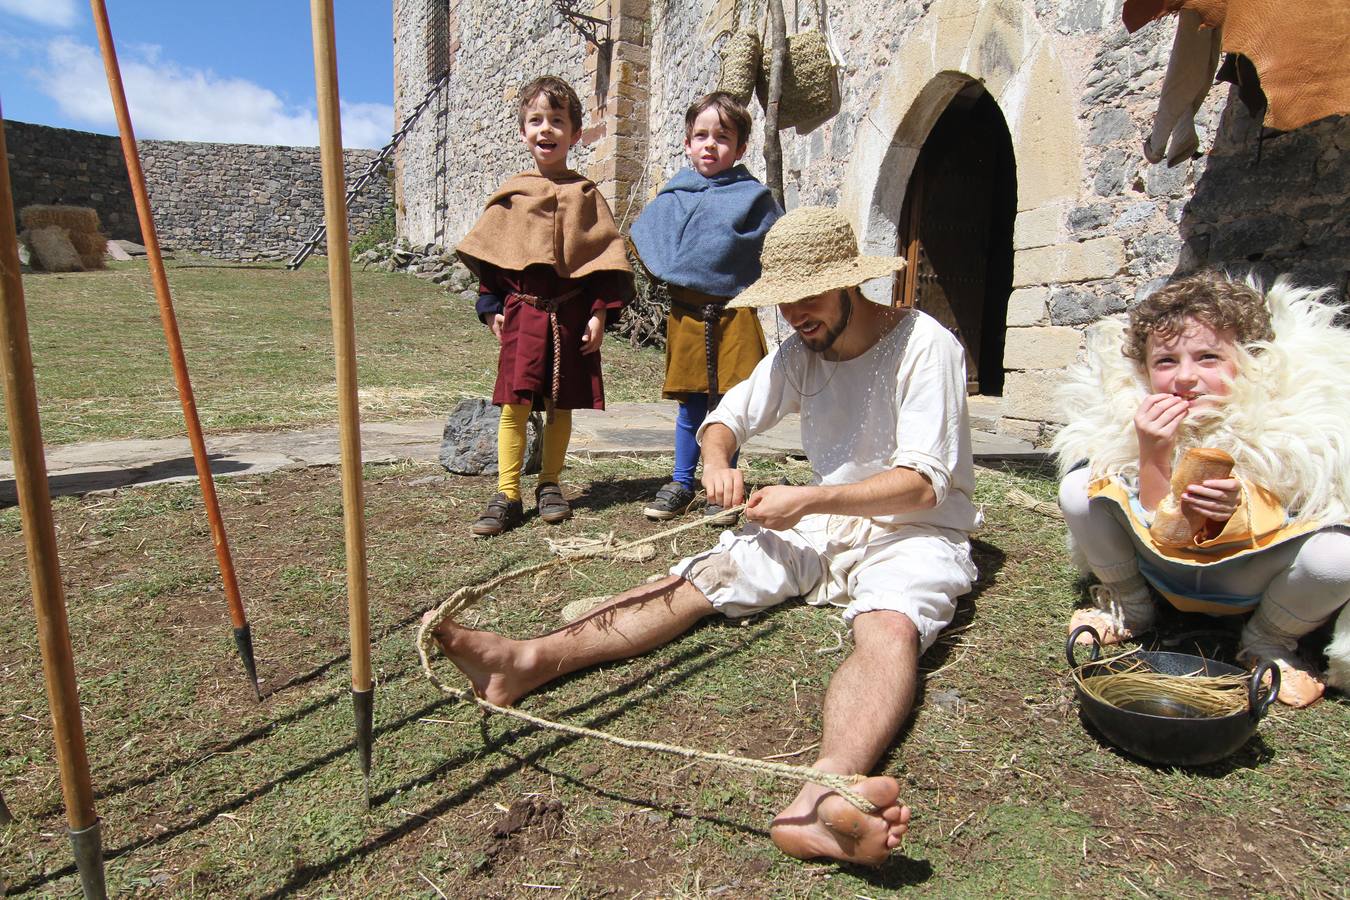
740 65
810 87
809 252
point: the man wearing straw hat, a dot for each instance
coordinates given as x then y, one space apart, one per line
882 531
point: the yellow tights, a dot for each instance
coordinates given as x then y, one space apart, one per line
511 447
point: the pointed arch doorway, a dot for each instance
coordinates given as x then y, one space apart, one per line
956 231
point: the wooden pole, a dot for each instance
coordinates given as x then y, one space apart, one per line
773 146
39 534
242 633
344 348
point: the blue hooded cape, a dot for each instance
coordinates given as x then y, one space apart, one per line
706 234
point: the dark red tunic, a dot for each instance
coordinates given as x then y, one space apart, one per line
525 363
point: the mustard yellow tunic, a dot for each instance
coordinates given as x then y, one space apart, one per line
740 345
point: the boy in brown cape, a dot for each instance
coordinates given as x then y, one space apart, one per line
551 268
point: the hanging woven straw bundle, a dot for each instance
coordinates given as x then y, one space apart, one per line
741 56
810 83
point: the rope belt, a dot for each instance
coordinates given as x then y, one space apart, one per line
550 305
711 313
466 597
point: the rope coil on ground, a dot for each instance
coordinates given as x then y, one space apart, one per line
469 595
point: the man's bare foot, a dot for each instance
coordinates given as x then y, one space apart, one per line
819 823
491 662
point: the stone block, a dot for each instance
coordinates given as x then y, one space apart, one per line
1049 158
1038 227
1115 172
1021 429
1031 395
1027 306
1078 306
1040 347
1086 261
469 440
1089 218
1109 126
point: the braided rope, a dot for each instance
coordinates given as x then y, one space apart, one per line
469 595
550 305
712 313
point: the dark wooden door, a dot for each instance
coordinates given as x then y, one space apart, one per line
946 228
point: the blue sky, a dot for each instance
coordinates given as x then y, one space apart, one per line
240 71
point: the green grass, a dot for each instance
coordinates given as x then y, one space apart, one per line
259 347
205 793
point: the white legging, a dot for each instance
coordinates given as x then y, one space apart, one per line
1301 582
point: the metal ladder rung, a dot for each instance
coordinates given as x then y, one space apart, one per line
365 177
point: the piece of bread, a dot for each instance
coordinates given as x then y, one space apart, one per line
1171 527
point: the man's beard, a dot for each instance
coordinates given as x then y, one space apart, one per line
832 333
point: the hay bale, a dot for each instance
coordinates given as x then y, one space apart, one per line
71 218
52 249
91 246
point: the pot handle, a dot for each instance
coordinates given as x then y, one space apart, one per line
1257 706
1096 645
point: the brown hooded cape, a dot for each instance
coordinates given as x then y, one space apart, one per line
563 223
548 238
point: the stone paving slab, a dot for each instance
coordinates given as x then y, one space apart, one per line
625 429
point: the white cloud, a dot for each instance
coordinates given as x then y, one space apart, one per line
60 13
176 103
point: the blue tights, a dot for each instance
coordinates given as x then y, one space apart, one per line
693 410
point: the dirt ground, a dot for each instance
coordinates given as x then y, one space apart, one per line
205 792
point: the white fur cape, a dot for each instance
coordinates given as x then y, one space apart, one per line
1286 422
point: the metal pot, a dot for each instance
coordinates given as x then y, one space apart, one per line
1166 732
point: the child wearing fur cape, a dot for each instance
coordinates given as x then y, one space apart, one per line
1209 362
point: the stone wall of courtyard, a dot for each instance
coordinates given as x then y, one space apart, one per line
229 201
1097 226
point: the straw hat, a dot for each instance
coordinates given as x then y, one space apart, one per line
808 252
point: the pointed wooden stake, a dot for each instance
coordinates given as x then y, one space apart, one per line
344 345
171 336
39 535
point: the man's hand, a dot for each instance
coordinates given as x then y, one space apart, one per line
1216 499
779 506
595 333
725 487
496 323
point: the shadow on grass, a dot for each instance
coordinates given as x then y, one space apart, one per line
601 495
1251 755
308 874
1035 463
689 664
77 484
989 560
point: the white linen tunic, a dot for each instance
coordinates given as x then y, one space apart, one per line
900 404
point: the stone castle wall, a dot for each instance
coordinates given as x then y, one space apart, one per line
230 201
1097 226
467 141
61 166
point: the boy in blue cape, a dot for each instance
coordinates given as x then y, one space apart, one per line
701 236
